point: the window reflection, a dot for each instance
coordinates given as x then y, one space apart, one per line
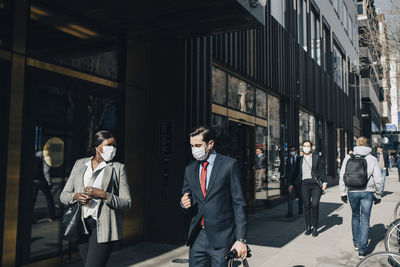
65 117
260 167
274 146
261 103
307 128
219 86
240 95
5 22
61 39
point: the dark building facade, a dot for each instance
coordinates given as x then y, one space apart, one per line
149 72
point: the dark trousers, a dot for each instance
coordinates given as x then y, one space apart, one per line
398 171
94 254
45 188
200 255
311 196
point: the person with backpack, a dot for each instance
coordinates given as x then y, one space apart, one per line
360 178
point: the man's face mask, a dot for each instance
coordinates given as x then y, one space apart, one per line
201 153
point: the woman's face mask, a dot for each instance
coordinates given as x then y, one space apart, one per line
108 153
306 150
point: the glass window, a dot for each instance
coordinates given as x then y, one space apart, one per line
278 11
350 28
261 164
315 37
337 66
360 8
261 103
64 114
307 127
240 95
345 17
344 75
5 23
274 146
326 48
338 146
302 24
219 86
59 38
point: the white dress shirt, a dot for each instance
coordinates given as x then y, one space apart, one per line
93 178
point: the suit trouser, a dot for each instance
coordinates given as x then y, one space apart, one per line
94 254
311 196
200 255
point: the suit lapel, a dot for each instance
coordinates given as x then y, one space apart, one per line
81 174
214 173
106 176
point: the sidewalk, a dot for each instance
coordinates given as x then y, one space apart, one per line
278 241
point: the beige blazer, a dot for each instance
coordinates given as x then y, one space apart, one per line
115 183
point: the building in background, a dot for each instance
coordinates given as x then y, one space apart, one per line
264 77
374 70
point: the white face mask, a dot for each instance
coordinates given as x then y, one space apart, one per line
306 150
292 153
199 153
108 153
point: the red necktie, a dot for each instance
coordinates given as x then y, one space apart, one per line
203 182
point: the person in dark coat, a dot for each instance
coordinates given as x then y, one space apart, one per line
292 171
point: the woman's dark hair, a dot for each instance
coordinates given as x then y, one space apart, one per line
98 139
308 141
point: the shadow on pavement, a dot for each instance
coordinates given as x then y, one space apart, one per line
330 222
376 234
386 193
278 231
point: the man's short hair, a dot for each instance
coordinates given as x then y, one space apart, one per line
292 147
207 133
380 146
362 141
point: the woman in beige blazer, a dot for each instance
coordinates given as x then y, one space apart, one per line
101 186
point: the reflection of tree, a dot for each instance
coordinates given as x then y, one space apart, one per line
97 108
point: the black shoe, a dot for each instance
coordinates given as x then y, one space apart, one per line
362 255
300 211
308 230
315 231
289 215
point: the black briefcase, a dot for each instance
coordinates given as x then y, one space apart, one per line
231 256
71 227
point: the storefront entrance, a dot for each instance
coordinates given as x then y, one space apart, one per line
242 148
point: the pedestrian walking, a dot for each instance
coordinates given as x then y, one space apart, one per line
101 186
391 162
292 185
383 161
312 179
213 193
398 166
42 182
360 178
260 168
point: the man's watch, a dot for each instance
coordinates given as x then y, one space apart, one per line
241 240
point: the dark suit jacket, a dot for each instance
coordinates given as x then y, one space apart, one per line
223 208
385 158
318 169
292 170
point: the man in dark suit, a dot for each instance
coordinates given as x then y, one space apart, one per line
213 193
292 171
383 163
